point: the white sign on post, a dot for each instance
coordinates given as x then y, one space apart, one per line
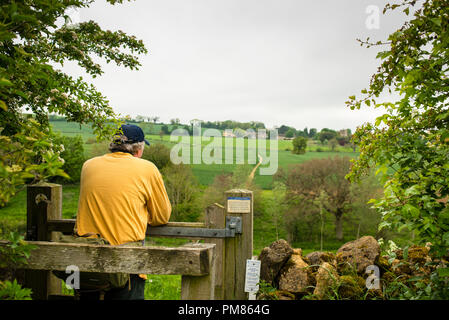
239 204
252 276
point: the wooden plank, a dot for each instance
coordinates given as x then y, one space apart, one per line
44 202
203 287
215 218
229 268
193 261
61 225
238 249
67 225
186 224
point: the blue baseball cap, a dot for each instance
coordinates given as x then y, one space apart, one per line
133 133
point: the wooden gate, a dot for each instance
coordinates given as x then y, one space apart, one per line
214 269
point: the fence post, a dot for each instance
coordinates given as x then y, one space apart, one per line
238 202
201 287
215 218
44 202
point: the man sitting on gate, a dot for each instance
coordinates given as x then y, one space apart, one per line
120 194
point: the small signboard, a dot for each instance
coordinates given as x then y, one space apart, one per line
252 276
239 204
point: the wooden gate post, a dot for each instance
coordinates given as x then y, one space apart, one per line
215 218
201 287
238 249
44 202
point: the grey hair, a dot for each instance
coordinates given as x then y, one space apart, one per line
119 144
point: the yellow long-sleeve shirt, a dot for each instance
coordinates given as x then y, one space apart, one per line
119 195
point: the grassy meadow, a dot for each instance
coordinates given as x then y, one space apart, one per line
13 216
205 173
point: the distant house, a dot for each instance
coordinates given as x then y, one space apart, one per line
228 133
251 135
343 133
283 137
262 134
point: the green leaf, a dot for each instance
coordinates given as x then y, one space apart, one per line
413 190
384 224
5 82
411 210
383 54
437 21
443 272
405 253
446 238
3 105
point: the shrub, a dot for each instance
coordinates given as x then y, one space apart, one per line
99 149
299 145
12 257
91 141
158 154
73 155
13 291
183 192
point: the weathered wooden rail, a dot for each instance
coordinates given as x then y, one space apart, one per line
214 269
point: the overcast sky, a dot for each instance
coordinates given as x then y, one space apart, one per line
289 62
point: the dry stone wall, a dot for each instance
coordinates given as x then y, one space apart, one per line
340 275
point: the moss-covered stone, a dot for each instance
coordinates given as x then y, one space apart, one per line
418 255
359 254
296 276
326 278
318 257
284 295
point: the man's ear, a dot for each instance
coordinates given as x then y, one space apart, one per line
139 153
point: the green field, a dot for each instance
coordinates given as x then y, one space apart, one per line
205 173
13 216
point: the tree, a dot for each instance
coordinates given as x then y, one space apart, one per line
158 154
165 129
283 129
326 134
140 118
312 133
290 133
183 191
307 181
342 141
299 145
333 143
155 119
73 156
32 47
409 144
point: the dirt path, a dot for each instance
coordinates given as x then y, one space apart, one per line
253 172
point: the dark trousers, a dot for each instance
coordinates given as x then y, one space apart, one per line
131 291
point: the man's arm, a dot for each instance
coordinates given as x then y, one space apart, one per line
159 206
